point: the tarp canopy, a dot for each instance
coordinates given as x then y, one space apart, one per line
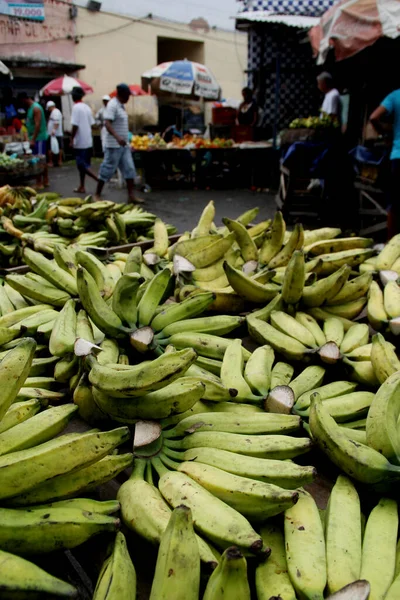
352 25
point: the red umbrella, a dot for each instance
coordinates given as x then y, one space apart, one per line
136 90
349 26
64 85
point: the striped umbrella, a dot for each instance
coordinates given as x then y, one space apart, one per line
186 78
64 85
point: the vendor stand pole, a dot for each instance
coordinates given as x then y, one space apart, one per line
277 98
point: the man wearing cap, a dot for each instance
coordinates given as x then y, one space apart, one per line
100 121
117 154
55 129
82 122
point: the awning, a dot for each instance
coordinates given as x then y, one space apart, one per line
262 16
352 25
37 62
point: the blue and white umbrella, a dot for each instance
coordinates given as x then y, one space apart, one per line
186 78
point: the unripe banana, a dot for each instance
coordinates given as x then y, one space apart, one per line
307 380
216 520
261 446
343 535
255 500
381 427
295 242
14 369
127 381
294 279
389 254
282 473
63 335
177 572
144 511
289 326
356 336
352 290
205 221
274 240
20 578
305 548
232 371
362 463
391 299
258 370
311 324
229 580
37 429
377 314
334 330
316 294
264 333
84 480
117 578
19 412
246 243
23 470
384 358
37 531
379 548
272 579
96 307
152 297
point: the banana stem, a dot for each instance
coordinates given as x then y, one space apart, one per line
170 463
159 467
149 473
172 453
138 469
158 351
172 443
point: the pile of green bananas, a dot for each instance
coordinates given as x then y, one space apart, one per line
45 220
322 122
41 465
155 342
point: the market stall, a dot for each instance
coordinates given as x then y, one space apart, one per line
195 161
239 360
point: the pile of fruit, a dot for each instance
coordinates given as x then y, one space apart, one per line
322 122
44 221
190 142
9 163
146 142
234 359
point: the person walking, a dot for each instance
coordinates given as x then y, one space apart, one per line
37 132
100 121
55 129
117 153
386 121
82 122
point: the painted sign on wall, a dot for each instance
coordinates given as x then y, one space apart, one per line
25 9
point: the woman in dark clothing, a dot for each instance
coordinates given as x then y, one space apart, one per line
248 110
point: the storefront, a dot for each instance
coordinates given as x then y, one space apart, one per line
280 65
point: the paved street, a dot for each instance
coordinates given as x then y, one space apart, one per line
178 207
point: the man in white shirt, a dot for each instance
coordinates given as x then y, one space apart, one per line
117 153
332 104
82 122
55 129
100 122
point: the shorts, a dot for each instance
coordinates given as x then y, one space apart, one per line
117 158
60 140
83 158
40 148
